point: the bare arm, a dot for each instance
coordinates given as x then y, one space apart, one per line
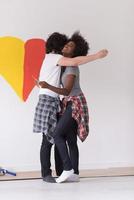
63 91
80 60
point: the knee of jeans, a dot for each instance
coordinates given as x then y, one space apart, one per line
55 136
72 144
57 133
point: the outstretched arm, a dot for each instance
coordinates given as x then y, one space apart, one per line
80 60
69 82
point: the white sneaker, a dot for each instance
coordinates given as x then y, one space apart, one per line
64 176
73 178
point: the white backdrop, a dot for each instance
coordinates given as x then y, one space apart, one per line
107 84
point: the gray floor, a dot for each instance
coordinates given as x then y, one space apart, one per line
109 188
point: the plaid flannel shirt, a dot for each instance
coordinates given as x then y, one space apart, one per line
79 113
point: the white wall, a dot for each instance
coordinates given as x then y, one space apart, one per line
107 84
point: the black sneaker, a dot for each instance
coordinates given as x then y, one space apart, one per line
49 179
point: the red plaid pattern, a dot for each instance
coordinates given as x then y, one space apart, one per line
79 113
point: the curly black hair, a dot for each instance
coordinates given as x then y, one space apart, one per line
56 42
82 45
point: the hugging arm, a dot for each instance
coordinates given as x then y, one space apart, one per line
80 60
69 82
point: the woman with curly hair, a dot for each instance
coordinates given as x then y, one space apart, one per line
74 119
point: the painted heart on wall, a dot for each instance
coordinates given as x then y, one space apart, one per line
21 61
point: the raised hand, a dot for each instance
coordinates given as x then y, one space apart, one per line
102 53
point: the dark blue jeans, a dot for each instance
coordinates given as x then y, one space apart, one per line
66 156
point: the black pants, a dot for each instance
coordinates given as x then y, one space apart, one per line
66 130
45 154
73 152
